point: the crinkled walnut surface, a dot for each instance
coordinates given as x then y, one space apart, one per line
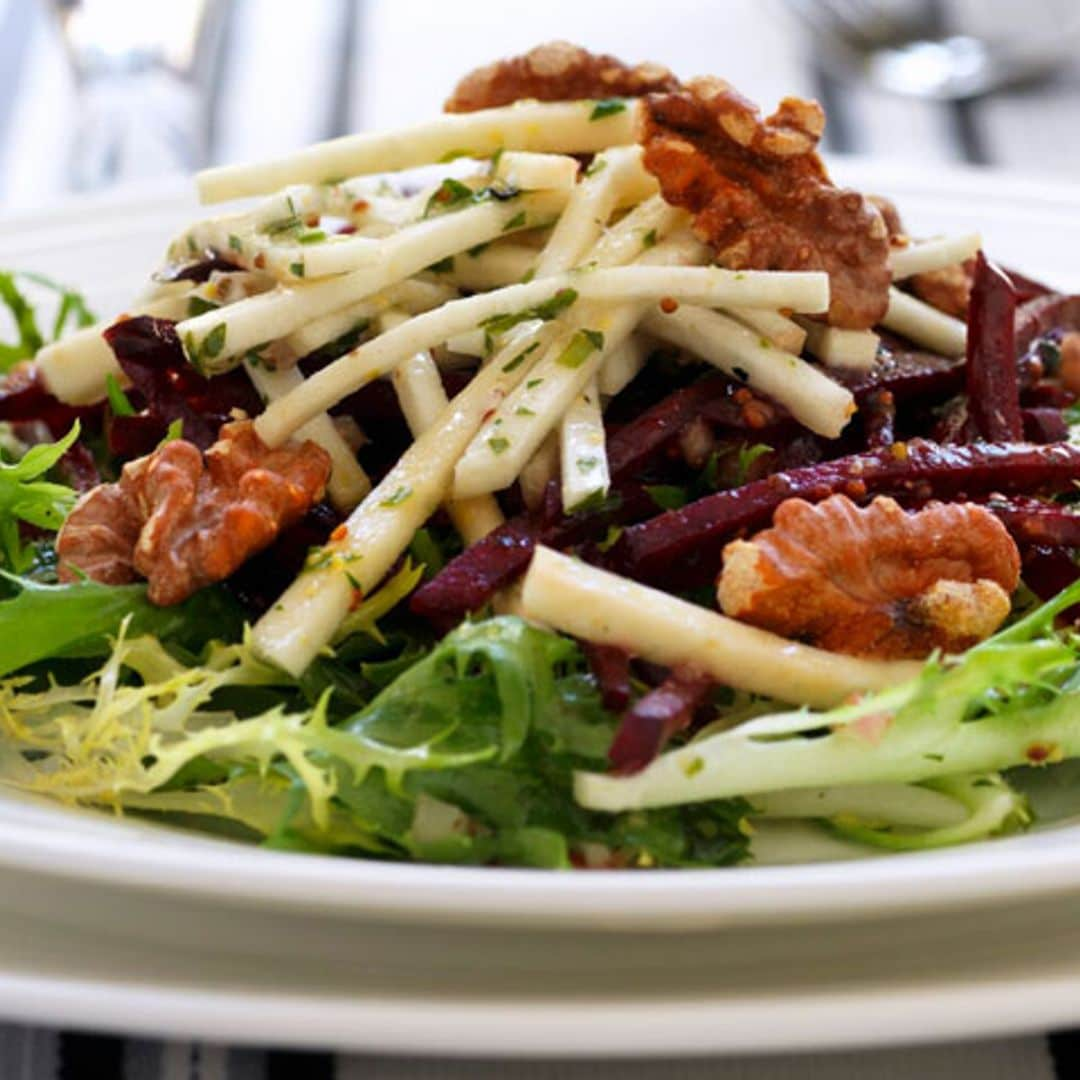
760 194
874 581
556 71
183 519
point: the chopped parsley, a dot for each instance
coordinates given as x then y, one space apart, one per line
521 410
452 195
398 497
453 155
516 222
513 365
607 107
649 240
532 384
586 464
235 243
214 342
549 309
443 266
597 165
582 345
498 444
314 236
296 269
198 305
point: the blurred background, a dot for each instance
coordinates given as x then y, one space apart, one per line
99 93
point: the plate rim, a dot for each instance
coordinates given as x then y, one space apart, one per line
990 873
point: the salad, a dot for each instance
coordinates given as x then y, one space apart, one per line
577 479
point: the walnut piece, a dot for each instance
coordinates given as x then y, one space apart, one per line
556 71
760 194
183 519
1070 361
874 581
947 289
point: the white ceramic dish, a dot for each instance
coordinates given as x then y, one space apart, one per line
413 958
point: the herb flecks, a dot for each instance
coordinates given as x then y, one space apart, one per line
607 107
582 345
552 308
398 497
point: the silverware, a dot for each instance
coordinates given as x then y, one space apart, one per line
939 50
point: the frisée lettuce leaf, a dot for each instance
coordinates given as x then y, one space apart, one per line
467 756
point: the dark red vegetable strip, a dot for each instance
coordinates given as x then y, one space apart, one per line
1026 288
1048 570
683 547
199 271
1034 522
992 388
470 580
652 720
907 374
1038 317
149 352
1044 424
24 399
879 416
629 448
611 667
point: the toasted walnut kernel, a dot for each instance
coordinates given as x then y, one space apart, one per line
760 194
875 581
556 71
183 519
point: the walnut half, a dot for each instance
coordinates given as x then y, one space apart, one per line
183 519
761 196
874 581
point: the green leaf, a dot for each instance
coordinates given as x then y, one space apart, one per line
44 621
497 325
668 496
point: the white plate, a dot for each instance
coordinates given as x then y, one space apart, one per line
824 954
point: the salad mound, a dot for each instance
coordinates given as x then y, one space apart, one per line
577 480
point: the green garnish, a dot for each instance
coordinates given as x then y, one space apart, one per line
398 497
582 345
118 400
498 444
607 107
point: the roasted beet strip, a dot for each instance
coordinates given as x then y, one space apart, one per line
149 351
634 444
1034 522
646 727
1044 424
470 580
1038 317
879 418
992 387
1048 570
24 399
682 548
611 667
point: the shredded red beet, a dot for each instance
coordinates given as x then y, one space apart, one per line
611 667
682 548
879 419
1039 317
150 354
1035 522
1044 424
992 388
24 399
651 721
